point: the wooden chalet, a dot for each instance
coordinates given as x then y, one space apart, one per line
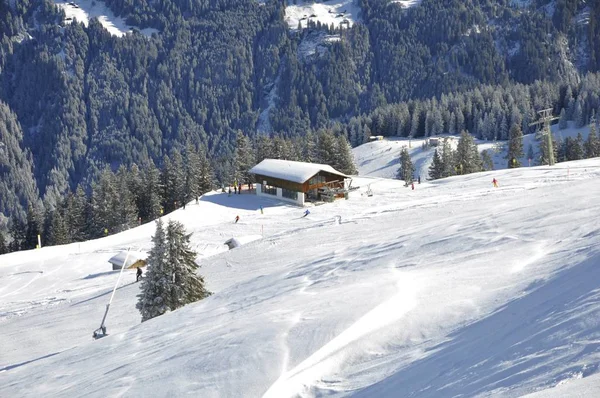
298 182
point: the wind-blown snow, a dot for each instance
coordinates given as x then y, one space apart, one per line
83 10
454 288
327 12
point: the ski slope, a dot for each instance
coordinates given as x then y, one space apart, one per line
454 288
382 158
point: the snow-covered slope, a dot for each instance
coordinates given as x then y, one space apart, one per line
327 12
83 10
382 158
455 288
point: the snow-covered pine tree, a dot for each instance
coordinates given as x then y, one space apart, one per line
467 159
104 193
156 285
578 114
78 216
178 174
344 159
592 145
192 171
126 212
407 170
486 160
515 147
326 147
448 155
207 174
150 203
436 170
244 159
57 232
562 120
186 287
3 246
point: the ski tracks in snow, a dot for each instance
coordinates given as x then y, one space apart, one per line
329 359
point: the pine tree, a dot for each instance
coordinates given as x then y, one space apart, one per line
448 155
436 170
104 193
124 202
187 286
3 245
78 216
326 147
345 158
486 160
156 286
16 229
467 158
57 233
193 172
592 145
407 169
33 228
562 121
578 114
207 174
150 205
515 147
244 159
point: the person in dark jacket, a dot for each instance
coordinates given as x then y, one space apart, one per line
138 274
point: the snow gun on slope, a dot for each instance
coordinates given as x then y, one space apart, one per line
101 331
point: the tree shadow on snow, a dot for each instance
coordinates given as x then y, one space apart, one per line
546 335
244 201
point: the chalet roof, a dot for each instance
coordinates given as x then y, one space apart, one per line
134 257
290 170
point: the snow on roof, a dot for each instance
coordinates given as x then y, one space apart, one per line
290 170
132 258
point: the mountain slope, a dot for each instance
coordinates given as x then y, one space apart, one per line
435 291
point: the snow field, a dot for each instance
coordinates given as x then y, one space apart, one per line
327 12
83 10
453 288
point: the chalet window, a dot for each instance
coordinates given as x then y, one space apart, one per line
269 189
316 180
286 193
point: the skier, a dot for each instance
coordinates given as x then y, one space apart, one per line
495 182
237 218
229 194
261 209
419 179
306 213
412 184
138 274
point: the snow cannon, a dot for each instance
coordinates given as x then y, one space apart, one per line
99 333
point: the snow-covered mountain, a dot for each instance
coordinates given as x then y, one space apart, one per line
454 288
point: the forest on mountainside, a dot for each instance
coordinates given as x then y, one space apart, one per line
75 100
